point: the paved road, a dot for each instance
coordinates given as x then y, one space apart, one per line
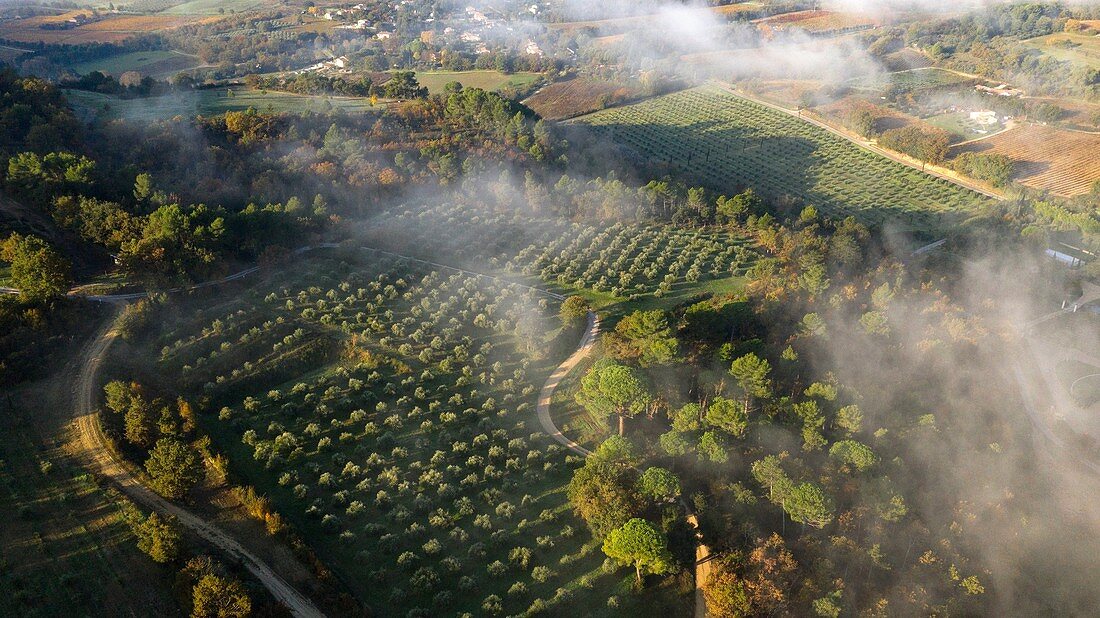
546 395
96 445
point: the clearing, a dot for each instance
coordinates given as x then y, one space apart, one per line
1080 49
434 81
114 29
210 102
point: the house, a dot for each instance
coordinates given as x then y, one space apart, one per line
984 117
1002 90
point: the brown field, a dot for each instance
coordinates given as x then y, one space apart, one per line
814 21
577 96
784 92
110 30
840 110
1077 113
1062 162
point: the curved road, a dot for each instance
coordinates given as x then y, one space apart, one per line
546 395
96 444
98 447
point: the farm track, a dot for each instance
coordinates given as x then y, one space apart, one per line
101 456
546 395
97 448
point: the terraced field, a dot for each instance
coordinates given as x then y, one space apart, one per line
727 143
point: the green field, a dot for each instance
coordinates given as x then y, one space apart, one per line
1080 49
149 63
913 80
961 127
727 143
486 80
209 102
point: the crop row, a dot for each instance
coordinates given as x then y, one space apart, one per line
728 142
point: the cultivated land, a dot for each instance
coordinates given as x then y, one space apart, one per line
580 95
338 389
155 63
209 102
434 81
913 80
213 7
728 143
1056 160
113 29
816 22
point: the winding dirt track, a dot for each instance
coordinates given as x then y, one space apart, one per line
97 447
546 395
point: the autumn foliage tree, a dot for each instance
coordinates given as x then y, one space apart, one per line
754 584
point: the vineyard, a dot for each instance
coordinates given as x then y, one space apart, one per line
1062 162
727 143
387 409
113 29
620 260
577 96
913 80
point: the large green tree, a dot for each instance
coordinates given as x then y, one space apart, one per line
644 336
751 374
173 467
610 388
639 544
159 537
604 495
215 596
38 271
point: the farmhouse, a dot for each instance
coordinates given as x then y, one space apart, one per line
984 117
1003 90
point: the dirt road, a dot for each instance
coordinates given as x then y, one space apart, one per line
97 448
546 395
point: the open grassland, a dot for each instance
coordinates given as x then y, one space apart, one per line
434 81
387 409
1080 49
580 95
149 63
728 143
113 29
209 102
1062 162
